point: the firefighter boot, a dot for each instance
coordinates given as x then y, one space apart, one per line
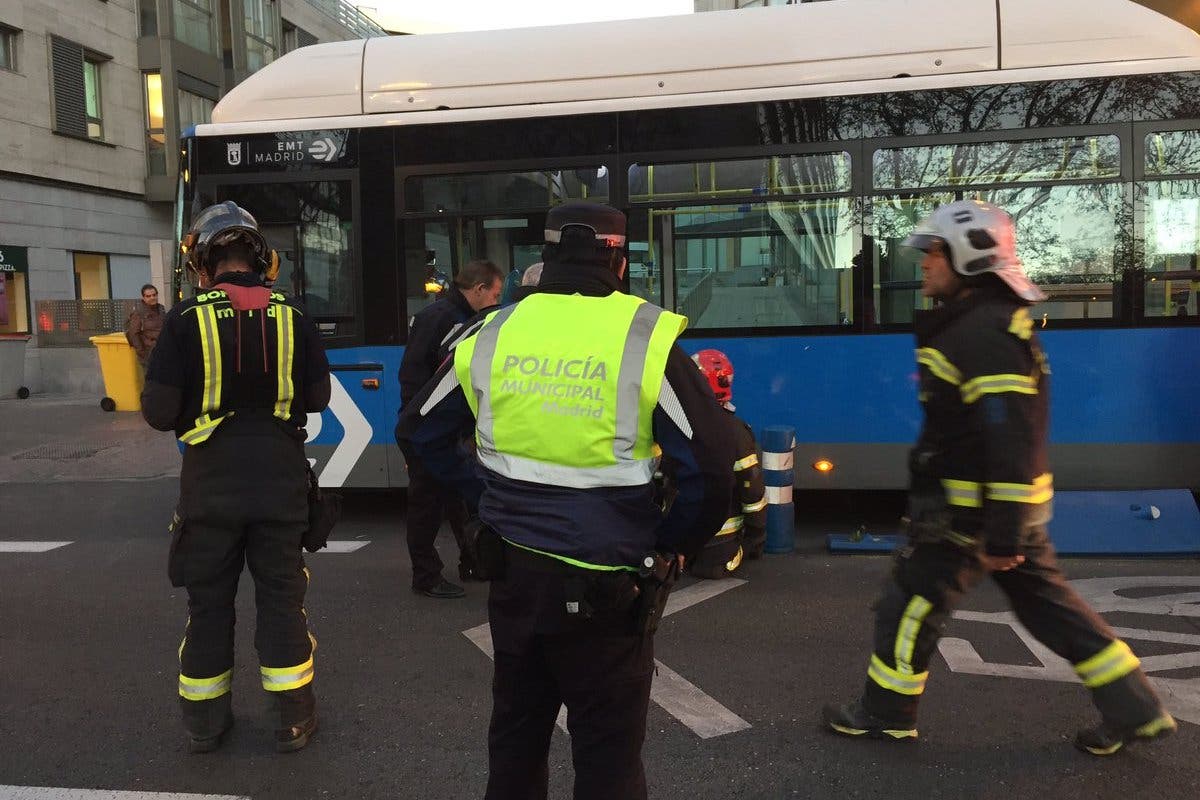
207 722
1106 738
1131 711
297 716
852 719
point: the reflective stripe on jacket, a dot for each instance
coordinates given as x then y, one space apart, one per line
277 329
530 390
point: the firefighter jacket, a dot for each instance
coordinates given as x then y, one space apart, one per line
984 388
567 392
748 508
235 350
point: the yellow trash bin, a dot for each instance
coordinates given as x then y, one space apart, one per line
123 376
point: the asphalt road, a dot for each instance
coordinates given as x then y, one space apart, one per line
89 631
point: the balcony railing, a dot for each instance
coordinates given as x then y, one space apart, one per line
350 18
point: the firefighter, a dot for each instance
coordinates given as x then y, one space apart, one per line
567 392
745 530
234 374
980 491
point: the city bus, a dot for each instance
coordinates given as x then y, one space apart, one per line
770 161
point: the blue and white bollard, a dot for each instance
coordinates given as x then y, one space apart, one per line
779 457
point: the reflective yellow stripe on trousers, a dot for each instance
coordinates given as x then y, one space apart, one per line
1110 664
281 679
205 688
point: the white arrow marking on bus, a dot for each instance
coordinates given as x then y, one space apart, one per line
680 698
356 436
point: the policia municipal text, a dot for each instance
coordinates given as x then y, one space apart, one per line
564 488
235 371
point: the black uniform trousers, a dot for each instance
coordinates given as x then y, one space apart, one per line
598 668
930 580
428 501
243 500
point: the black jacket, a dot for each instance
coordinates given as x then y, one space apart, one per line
426 332
985 393
749 495
596 525
172 398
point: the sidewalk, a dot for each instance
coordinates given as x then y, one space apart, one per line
69 438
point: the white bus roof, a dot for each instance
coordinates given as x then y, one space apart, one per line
813 49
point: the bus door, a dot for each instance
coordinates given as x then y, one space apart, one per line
311 225
436 249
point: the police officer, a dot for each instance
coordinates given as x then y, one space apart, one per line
234 373
980 493
744 533
568 391
476 286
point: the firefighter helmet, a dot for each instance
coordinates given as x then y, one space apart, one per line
224 224
978 238
718 369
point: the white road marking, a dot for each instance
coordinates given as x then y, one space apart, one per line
1181 695
344 546
53 793
30 547
680 698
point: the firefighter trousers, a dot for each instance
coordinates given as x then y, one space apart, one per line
213 553
930 580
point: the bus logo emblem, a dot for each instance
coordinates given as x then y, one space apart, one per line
233 153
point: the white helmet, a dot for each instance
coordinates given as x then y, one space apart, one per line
978 237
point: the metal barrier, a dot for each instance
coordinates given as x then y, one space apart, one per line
350 17
69 323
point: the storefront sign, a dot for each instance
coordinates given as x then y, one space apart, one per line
14 259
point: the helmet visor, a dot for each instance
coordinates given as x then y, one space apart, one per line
924 241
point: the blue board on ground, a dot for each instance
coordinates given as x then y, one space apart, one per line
1154 522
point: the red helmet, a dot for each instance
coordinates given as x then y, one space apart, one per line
719 371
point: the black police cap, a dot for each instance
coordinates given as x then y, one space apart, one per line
605 222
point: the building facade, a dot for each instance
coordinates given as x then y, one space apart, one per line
93 97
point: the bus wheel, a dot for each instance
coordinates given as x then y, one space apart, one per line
108 404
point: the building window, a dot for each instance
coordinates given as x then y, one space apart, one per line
76 78
14 303
194 24
156 140
260 33
194 109
91 276
148 17
8 48
91 90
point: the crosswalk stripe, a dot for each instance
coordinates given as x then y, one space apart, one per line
54 793
344 546
30 547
